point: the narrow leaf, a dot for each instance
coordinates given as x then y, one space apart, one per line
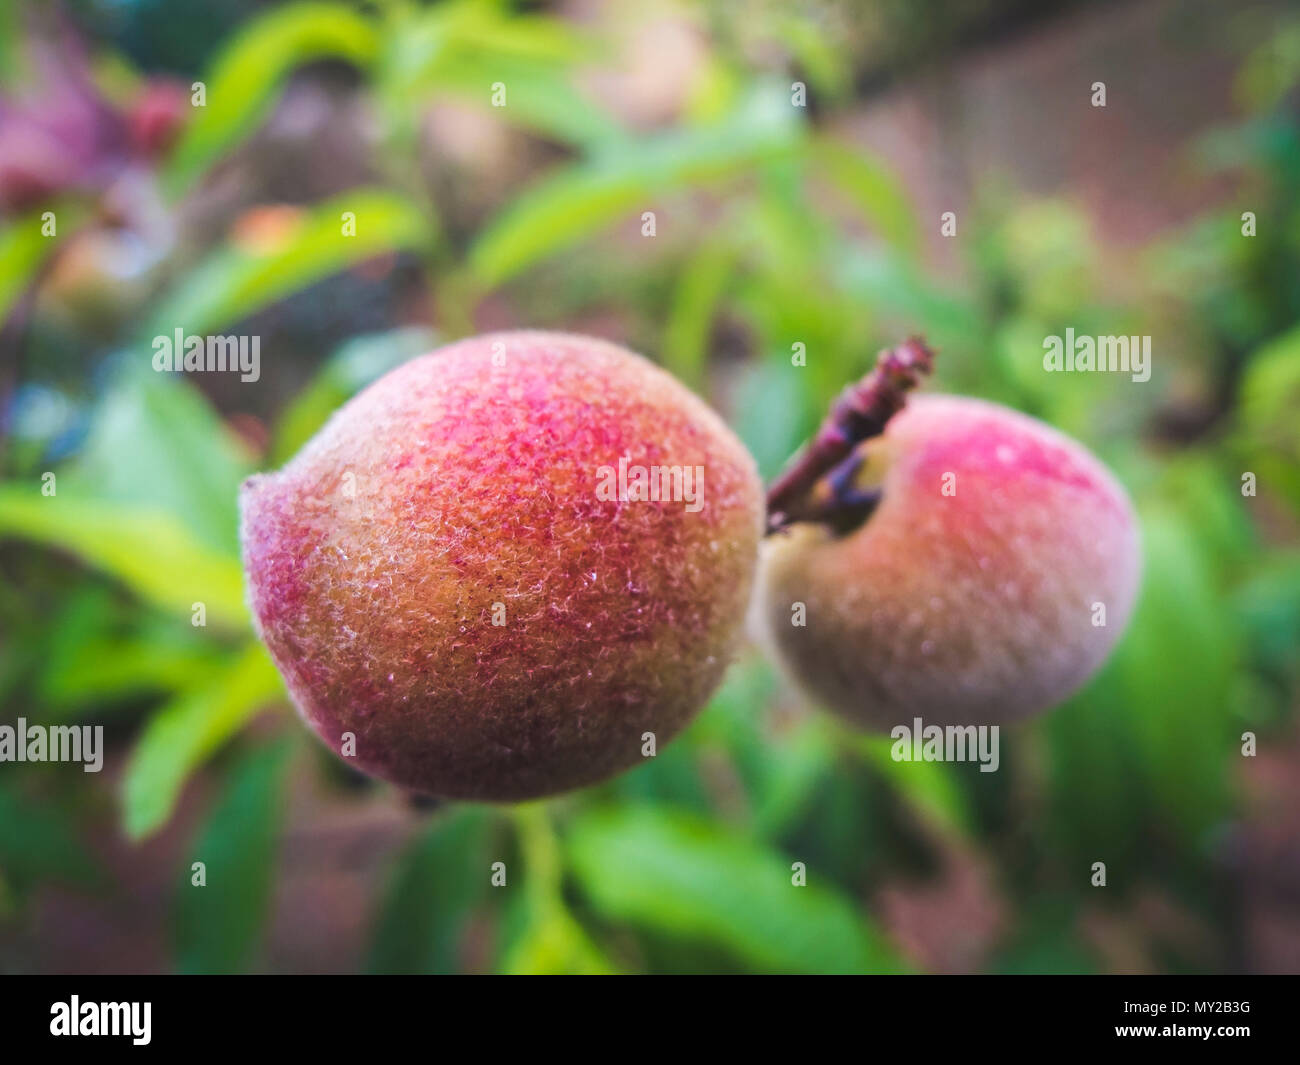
690 878
181 735
219 923
249 70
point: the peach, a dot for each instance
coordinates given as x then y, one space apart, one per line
991 579
499 567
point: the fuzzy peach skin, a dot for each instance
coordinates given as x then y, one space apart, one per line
976 607
462 489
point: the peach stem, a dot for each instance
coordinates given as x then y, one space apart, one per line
861 412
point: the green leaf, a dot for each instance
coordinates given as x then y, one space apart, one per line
419 40
1201 483
12 61
1175 670
540 99
929 787
539 93
250 69
1272 69
185 732
773 418
464 48
438 881
146 548
23 248
822 58
1267 605
219 925
690 318
235 281
693 879
1270 396
99 672
87 662
894 285
781 762
1148 741
549 942
541 936
353 366
156 443
872 189
620 179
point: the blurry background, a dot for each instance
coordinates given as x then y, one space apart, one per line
775 225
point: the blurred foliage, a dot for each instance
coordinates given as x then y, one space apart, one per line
219 917
777 232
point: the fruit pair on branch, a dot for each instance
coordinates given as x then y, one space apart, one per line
436 574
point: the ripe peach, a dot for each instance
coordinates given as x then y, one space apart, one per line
992 578
462 569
